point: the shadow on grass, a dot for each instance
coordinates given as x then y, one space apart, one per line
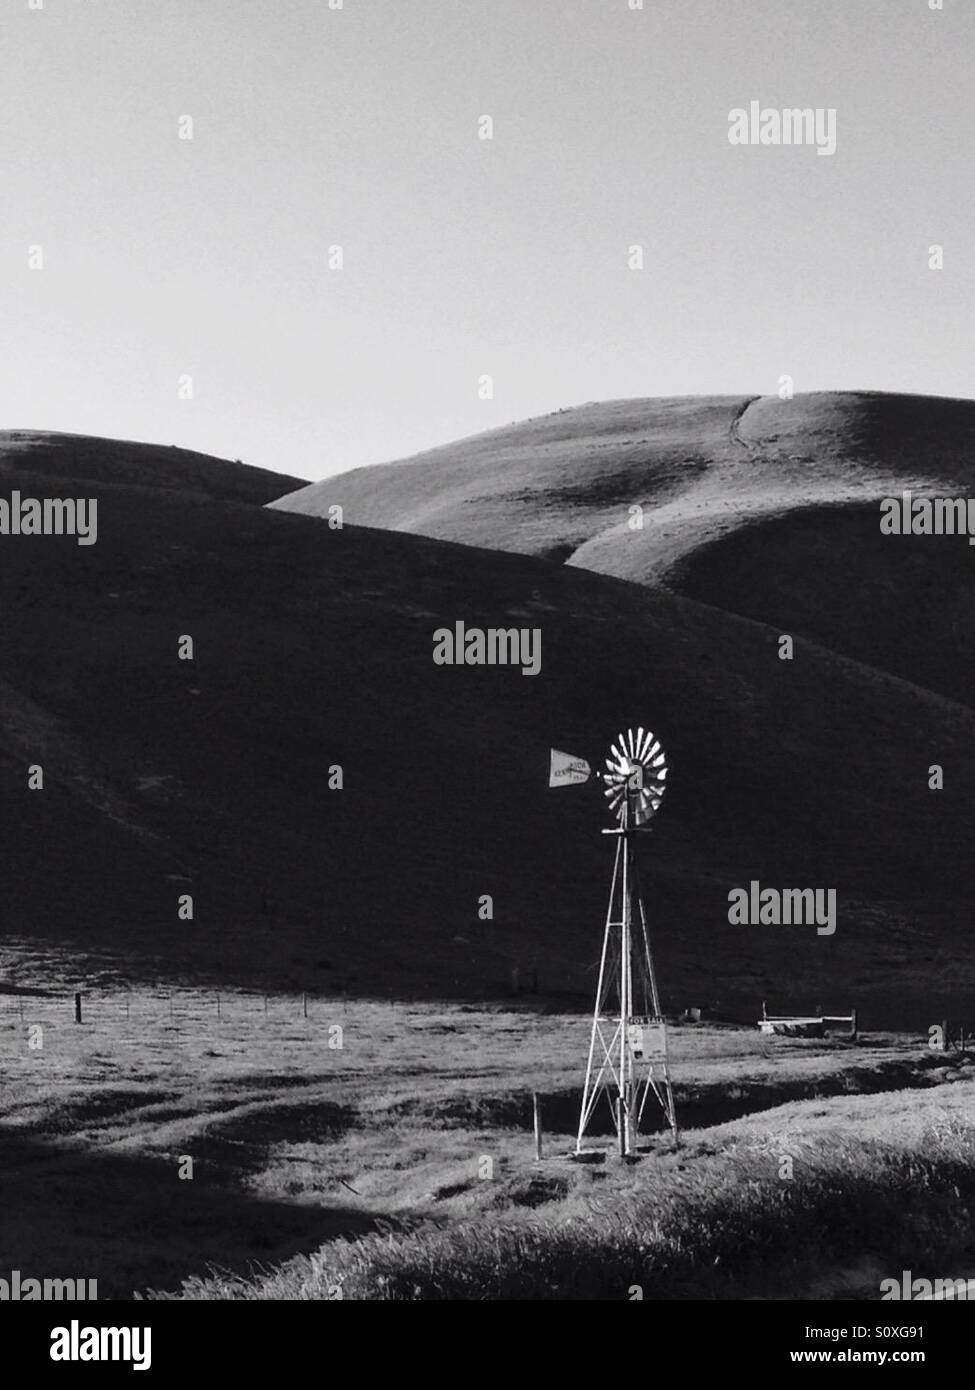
238 1143
131 1222
700 1108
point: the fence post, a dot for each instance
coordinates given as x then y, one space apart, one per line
77 1008
536 1104
853 1025
304 1004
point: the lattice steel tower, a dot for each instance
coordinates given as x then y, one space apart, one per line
628 1044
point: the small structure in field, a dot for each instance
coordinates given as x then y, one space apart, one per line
799 1026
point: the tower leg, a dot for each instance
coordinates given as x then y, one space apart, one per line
666 1096
626 997
589 1091
626 1057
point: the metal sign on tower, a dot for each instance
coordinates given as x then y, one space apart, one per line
628 1044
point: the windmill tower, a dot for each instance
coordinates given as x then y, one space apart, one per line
628 1043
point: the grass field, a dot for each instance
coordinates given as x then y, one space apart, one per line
386 1150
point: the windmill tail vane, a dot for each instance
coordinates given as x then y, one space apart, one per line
565 769
628 1043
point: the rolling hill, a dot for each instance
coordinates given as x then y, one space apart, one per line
762 507
563 486
313 650
26 455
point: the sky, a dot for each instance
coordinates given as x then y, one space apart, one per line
183 293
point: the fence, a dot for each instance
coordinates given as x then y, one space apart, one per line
128 1017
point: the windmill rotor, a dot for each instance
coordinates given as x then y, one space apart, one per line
636 777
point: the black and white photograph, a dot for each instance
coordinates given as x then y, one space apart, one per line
487 697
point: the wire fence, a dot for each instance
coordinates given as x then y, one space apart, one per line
106 1019
85 1005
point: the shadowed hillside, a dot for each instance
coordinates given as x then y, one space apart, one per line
763 507
905 604
27 454
313 648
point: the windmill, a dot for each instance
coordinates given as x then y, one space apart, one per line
628 1043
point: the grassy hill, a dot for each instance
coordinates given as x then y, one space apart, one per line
762 507
563 485
73 458
904 604
541 487
313 648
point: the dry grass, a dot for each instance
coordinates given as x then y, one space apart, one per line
410 1143
718 1223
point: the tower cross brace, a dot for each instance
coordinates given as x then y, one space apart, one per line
627 1047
